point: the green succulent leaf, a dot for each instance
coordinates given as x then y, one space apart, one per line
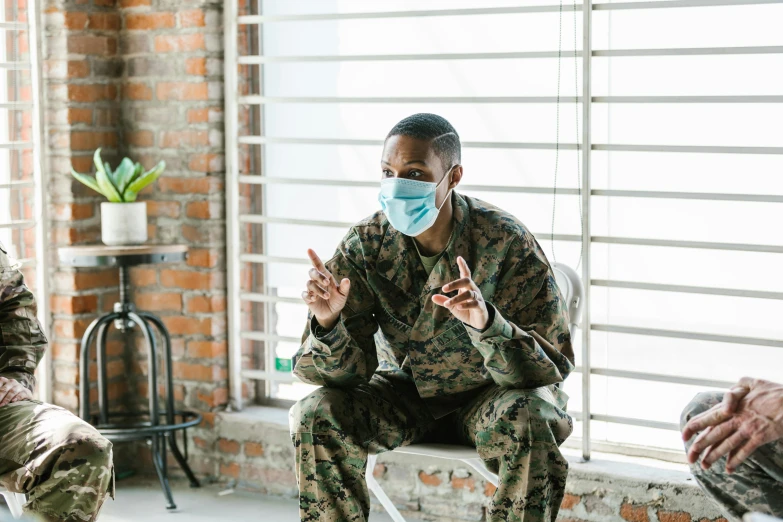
122 176
96 158
137 171
107 187
145 179
87 180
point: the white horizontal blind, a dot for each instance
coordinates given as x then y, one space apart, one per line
684 170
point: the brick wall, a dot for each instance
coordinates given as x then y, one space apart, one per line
141 78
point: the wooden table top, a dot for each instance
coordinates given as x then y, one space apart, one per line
133 250
121 256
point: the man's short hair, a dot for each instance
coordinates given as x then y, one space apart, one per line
435 129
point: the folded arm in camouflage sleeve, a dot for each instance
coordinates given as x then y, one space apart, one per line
526 300
22 341
344 356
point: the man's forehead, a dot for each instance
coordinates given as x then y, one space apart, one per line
404 150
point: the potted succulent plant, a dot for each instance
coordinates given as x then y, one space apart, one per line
123 219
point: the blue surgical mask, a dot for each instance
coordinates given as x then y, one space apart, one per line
409 205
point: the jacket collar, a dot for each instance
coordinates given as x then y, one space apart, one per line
398 260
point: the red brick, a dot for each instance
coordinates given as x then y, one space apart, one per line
94 45
200 115
202 185
163 209
228 446
149 21
104 3
141 138
91 92
72 211
74 304
205 163
87 280
134 3
201 443
79 116
203 257
144 276
196 66
107 117
232 469
489 489
84 140
78 69
430 480
185 91
191 18
570 501
254 449
71 329
179 44
137 91
206 349
200 304
463 483
158 302
76 21
198 372
187 138
104 21
179 325
214 398
674 516
633 513
187 279
203 210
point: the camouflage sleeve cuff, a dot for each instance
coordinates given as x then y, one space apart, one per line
331 338
499 330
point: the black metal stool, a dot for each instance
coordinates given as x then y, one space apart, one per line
121 427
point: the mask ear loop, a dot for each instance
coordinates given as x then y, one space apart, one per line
448 172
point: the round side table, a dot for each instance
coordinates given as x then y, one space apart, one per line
159 430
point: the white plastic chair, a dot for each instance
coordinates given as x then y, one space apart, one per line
15 502
571 287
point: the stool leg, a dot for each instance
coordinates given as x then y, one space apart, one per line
84 363
103 391
149 338
172 439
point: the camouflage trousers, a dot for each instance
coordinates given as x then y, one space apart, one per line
62 463
516 432
756 485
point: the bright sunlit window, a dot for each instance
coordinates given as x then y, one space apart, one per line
684 267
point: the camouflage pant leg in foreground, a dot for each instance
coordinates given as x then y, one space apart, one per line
518 434
62 463
756 485
333 429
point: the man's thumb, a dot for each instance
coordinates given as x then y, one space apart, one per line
345 286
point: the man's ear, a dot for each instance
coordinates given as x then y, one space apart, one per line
456 176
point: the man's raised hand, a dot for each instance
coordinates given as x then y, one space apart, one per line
325 298
468 305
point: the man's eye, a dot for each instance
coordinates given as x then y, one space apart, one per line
415 174
386 173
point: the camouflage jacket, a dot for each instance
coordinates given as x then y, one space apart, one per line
391 327
22 341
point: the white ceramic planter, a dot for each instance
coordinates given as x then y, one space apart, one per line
124 223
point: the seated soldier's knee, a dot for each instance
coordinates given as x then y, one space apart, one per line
528 413
701 403
321 411
90 448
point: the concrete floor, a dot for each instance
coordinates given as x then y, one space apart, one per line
142 500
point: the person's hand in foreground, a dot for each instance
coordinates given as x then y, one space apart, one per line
468 305
750 416
325 298
12 390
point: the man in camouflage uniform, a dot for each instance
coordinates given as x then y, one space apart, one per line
743 429
60 462
399 362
